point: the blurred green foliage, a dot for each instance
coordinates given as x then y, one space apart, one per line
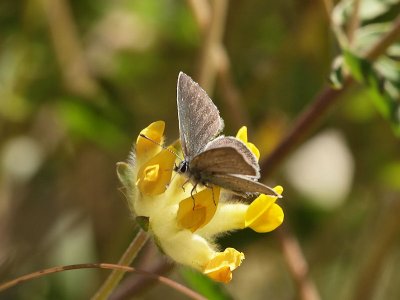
80 79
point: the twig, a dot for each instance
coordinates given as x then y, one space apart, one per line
301 128
68 50
153 262
385 236
41 273
318 109
230 93
115 277
297 265
387 39
201 11
219 56
212 39
354 21
328 6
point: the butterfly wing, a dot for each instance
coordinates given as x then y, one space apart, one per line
242 185
240 147
199 119
222 160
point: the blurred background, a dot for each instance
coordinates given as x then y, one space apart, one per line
80 79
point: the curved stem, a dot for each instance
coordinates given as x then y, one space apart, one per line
115 277
297 265
41 273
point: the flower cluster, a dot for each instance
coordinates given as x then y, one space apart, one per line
185 226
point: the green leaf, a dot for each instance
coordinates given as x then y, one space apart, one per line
90 123
385 92
204 285
336 76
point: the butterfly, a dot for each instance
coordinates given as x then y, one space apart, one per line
210 159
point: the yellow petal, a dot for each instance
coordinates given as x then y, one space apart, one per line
154 176
155 133
242 135
220 267
263 215
196 213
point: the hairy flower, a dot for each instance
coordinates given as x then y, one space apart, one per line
185 222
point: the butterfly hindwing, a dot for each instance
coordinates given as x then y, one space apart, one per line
222 160
241 185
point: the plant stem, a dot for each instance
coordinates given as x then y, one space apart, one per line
318 109
116 275
168 282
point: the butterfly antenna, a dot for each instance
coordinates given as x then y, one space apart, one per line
162 146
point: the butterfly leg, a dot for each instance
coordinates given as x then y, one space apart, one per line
212 191
183 185
191 194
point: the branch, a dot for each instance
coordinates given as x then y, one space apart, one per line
68 50
41 273
297 265
318 109
377 253
115 277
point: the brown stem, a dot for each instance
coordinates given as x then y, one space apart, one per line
354 21
115 277
219 56
69 53
311 116
297 265
302 127
318 109
212 39
41 273
384 237
201 11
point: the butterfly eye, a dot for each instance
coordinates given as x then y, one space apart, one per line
183 167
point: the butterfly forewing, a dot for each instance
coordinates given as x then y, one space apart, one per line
222 160
199 119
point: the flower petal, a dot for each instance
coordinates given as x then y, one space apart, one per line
263 215
144 147
196 212
242 135
154 176
220 267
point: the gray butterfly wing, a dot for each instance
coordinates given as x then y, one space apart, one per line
240 147
199 119
222 160
242 185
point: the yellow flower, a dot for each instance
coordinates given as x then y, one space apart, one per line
184 226
146 148
220 267
154 176
263 214
196 212
242 135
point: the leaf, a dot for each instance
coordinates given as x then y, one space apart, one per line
385 92
336 76
88 123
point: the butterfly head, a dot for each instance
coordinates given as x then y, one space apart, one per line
183 167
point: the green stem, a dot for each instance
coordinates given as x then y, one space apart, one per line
115 277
